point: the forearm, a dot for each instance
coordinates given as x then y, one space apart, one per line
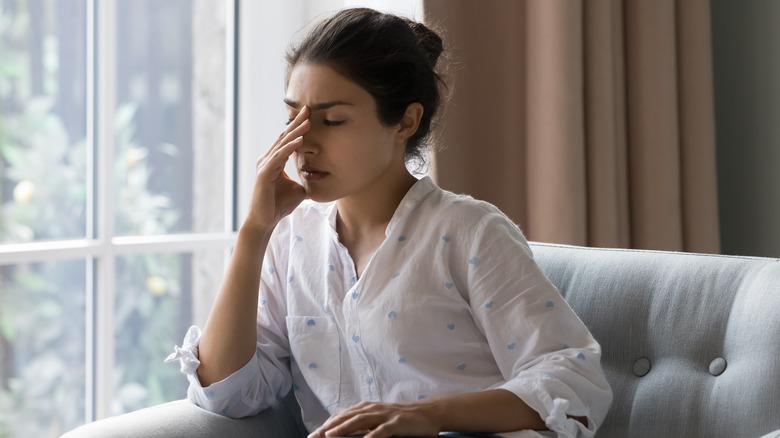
230 337
495 410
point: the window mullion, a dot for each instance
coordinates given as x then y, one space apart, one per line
101 297
231 114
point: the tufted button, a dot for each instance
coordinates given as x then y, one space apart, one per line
641 367
717 366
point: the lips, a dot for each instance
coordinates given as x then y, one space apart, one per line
310 173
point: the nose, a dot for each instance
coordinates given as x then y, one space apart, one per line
309 146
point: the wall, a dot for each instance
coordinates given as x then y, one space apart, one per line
746 53
266 29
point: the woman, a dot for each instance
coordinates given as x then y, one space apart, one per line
390 306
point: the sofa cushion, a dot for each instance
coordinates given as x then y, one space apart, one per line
690 342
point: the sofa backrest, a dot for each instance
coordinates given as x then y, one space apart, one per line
690 342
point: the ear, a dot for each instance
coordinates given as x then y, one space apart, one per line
409 122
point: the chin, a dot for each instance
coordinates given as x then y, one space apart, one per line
318 195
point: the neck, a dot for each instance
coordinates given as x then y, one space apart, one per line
370 211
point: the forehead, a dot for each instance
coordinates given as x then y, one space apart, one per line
312 83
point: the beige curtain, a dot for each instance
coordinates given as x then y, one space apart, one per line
589 122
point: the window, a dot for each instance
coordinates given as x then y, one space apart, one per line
120 185
117 194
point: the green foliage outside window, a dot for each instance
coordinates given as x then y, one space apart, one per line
43 195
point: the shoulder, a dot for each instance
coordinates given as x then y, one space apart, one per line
476 221
466 210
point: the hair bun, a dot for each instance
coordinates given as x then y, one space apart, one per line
428 40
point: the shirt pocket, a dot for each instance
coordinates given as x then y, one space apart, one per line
316 348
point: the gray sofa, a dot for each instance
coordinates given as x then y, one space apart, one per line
691 345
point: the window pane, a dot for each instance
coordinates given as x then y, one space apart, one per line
42 120
170 117
42 348
158 297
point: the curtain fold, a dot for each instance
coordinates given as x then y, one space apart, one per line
587 122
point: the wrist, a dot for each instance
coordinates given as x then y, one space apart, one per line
253 234
435 410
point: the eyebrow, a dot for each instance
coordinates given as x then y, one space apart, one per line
318 106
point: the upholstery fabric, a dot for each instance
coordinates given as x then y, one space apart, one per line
690 346
183 419
664 321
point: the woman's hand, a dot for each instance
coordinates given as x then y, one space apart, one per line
493 410
275 195
380 420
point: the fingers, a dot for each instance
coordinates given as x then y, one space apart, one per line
380 420
273 161
361 418
296 128
273 165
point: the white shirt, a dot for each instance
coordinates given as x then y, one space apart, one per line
451 302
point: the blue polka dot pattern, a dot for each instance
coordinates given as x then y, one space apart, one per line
511 346
392 314
451 326
446 238
313 366
549 304
311 322
473 261
401 238
489 305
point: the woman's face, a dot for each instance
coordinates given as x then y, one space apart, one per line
347 151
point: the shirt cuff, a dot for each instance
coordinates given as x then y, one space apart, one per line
187 355
554 411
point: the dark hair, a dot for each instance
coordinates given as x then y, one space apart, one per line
391 57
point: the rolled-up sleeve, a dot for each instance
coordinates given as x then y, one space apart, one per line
547 356
266 376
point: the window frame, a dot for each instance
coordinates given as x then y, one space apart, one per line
257 70
100 247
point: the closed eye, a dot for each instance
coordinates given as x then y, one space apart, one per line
327 122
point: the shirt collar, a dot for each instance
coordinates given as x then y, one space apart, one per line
412 199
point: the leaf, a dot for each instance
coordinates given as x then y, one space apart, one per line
7 329
124 116
14 155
